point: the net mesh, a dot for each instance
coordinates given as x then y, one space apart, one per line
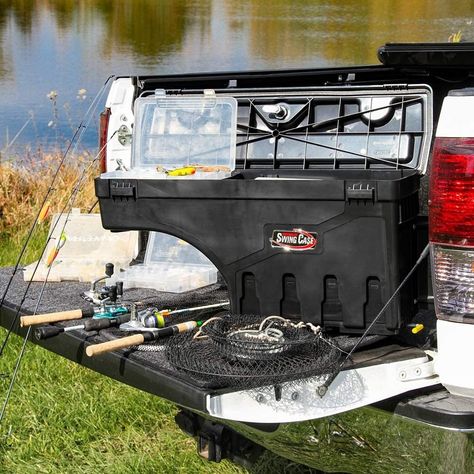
243 352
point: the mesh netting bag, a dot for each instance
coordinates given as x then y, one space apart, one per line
243 352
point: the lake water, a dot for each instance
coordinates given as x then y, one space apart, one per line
68 45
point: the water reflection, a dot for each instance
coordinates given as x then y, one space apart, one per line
147 28
71 44
339 32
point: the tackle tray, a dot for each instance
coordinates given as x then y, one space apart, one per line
317 220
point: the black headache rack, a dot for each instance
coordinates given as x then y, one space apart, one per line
317 221
435 55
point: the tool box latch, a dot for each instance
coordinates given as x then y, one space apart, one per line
123 190
364 191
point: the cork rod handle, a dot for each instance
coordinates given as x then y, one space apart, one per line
26 321
110 346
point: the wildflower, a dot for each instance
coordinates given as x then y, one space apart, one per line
82 94
52 95
455 37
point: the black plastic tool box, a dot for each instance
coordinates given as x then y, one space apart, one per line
329 251
322 236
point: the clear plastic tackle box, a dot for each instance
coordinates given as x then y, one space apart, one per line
170 265
182 137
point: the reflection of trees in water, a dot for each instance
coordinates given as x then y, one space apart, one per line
22 11
342 32
367 25
148 28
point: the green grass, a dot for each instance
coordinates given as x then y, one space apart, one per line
10 246
65 418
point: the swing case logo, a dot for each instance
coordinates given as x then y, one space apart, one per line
295 239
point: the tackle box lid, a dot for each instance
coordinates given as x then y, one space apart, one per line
87 248
175 132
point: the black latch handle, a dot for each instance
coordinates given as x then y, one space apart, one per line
122 191
362 191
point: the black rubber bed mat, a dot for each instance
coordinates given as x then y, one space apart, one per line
147 370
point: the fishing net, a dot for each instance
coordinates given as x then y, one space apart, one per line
243 352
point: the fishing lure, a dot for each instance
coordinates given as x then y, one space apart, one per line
55 250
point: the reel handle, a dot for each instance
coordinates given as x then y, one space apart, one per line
26 321
109 269
109 346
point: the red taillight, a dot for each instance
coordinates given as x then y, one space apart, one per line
452 228
103 131
452 192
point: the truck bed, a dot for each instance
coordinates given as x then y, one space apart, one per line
150 371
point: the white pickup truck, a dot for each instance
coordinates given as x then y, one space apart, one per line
339 180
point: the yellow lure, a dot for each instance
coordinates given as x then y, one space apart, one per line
186 171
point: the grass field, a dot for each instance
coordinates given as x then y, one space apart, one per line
63 418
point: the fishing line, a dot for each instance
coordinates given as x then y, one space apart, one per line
21 354
93 206
70 200
77 135
72 197
322 389
16 136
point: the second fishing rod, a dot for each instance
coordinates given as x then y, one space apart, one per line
72 145
68 205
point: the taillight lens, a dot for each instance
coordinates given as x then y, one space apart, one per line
452 192
453 283
452 228
103 132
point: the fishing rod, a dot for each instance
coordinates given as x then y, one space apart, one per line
46 332
138 339
71 200
78 133
154 318
57 317
148 319
10 144
21 354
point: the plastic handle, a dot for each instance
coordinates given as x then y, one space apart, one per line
26 321
47 331
110 346
104 323
109 269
